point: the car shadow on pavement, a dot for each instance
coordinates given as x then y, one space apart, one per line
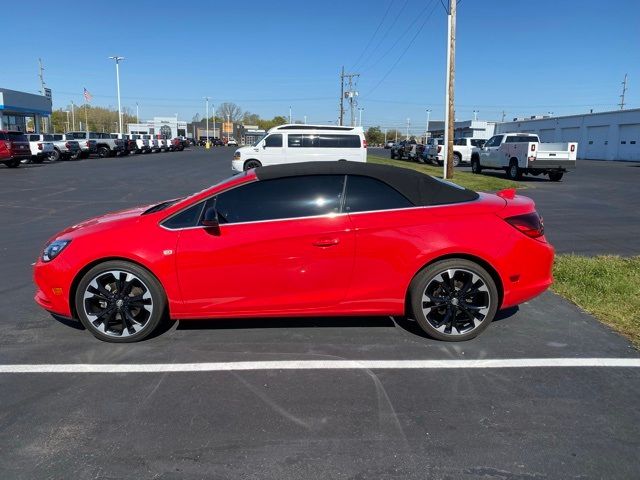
293 322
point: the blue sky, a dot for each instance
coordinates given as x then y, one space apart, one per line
521 57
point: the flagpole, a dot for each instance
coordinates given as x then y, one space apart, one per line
86 120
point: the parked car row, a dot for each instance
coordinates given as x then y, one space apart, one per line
17 147
217 142
515 153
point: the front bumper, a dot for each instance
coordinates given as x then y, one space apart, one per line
53 282
237 165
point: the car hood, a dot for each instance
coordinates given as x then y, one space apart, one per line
108 220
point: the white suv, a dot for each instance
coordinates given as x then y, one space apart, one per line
303 143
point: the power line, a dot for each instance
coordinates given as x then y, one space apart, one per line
404 51
374 34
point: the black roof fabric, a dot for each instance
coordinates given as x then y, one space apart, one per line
419 188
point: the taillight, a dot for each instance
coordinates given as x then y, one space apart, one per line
8 144
533 147
529 223
67 145
364 143
439 148
87 144
39 146
573 147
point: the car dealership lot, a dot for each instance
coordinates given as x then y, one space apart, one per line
539 422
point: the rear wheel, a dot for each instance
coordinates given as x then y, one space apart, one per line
475 165
555 176
393 155
15 163
55 155
514 172
249 164
457 158
454 299
104 152
120 302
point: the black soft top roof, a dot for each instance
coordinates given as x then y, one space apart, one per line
419 188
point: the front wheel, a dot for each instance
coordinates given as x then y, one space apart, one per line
249 164
393 155
120 302
555 176
13 163
475 165
454 300
513 171
104 152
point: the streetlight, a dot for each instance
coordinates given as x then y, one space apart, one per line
67 122
137 113
360 109
117 59
408 123
206 99
289 113
231 126
475 115
426 131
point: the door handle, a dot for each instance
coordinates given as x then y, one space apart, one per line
326 242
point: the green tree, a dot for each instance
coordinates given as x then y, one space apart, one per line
374 135
100 119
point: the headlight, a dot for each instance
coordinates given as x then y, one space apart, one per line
53 249
236 156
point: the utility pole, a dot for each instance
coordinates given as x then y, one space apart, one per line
426 130
449 94
42 84
206 100
117 59
351 94
624 91
503 115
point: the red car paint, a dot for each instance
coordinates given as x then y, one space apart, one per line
340 264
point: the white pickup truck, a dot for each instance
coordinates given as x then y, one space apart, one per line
41 149
463 148
523 153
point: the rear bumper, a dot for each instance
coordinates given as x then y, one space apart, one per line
553 164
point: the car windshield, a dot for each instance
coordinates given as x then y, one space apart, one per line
255 144
17 137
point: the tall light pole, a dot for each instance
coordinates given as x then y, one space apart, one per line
137 113
385 136
426 130
289 113
206 99
305 119
118 59
475 115
73 115
360 109
408 122
68 124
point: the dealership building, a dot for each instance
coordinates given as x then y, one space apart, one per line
601 136
169 127
23 111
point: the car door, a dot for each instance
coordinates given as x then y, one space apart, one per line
271 150
489 154
281 246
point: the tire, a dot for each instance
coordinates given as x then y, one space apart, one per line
55 155
555 176
475 165
104 152
249 164
514 172
104 310
449 318
15 163
393 155
457 159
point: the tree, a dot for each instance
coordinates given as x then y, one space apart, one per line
374 135
393 134
196 118
100 119
250 118
229 110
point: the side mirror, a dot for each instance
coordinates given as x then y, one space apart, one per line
264 145
211 218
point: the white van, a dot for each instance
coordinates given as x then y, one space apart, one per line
302 143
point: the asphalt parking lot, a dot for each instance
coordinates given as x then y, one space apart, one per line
496 423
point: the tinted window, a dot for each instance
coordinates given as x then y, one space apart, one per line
34 138
17 137
273 141
47 138
294 141
186 218
521 138
292 197
366 193
478 143
325 140
494 141
2 136
57 137
460 141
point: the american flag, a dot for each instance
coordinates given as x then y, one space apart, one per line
87 96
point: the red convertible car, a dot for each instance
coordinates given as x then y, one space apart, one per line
308 239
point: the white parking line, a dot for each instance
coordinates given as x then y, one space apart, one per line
322 365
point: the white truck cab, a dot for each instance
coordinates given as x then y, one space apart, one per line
293 143
523 153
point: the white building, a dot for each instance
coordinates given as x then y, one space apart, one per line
170 127
601 136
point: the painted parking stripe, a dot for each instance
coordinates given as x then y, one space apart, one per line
323 365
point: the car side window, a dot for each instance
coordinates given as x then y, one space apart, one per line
274 140
294 141
186 218
368 194
291 197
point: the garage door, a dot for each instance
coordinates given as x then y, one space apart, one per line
629 146
570 134
596 147
547 135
